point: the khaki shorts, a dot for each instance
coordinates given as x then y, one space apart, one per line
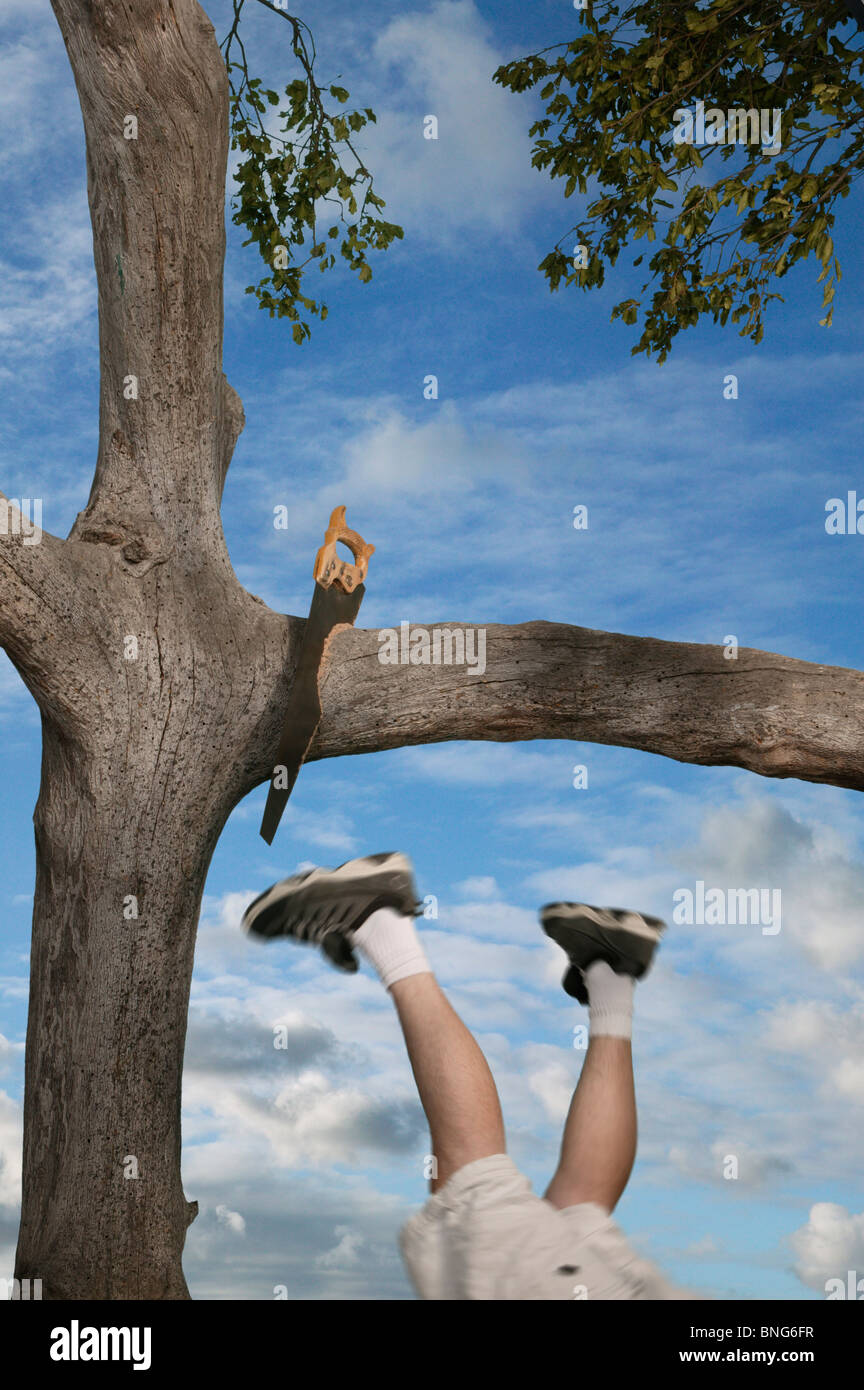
486 1235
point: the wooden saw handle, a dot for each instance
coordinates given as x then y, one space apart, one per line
330 568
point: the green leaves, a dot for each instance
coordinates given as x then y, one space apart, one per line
295 168
809 189
739 217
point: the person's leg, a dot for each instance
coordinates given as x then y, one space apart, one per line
599 1143
456 1087
369 904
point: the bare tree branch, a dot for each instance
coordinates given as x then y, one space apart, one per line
770 714
36 594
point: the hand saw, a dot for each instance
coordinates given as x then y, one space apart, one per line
336 600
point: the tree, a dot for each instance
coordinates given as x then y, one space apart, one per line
618 98
144 759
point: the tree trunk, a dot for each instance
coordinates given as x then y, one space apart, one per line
162 683
153 669
118 890
132 800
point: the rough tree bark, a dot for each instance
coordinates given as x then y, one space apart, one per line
145 756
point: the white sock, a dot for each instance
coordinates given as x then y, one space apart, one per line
610 1001
390 943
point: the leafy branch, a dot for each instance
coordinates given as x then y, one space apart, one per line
287 179
611 98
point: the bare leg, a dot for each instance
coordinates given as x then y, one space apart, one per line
599 1143
456 1087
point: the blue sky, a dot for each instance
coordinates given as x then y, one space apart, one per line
706 518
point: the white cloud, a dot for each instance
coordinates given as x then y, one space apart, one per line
554 1085
14 9
346 1253
227 1046
748 841
495 921
332 830
220 939
483 765
304 1119
482 886
828 1039
829 1246
848 1077
460 958
10 1053
38 105
291 1224
457 458
705 1247
15 986
477 175
33 312
231 1219
626 876
11 1131
761 843
732 1161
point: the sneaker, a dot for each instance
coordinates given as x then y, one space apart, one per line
626 940
326 906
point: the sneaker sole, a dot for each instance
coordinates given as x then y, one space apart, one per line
627 941
385 879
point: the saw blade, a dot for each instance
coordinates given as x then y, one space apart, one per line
330 608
